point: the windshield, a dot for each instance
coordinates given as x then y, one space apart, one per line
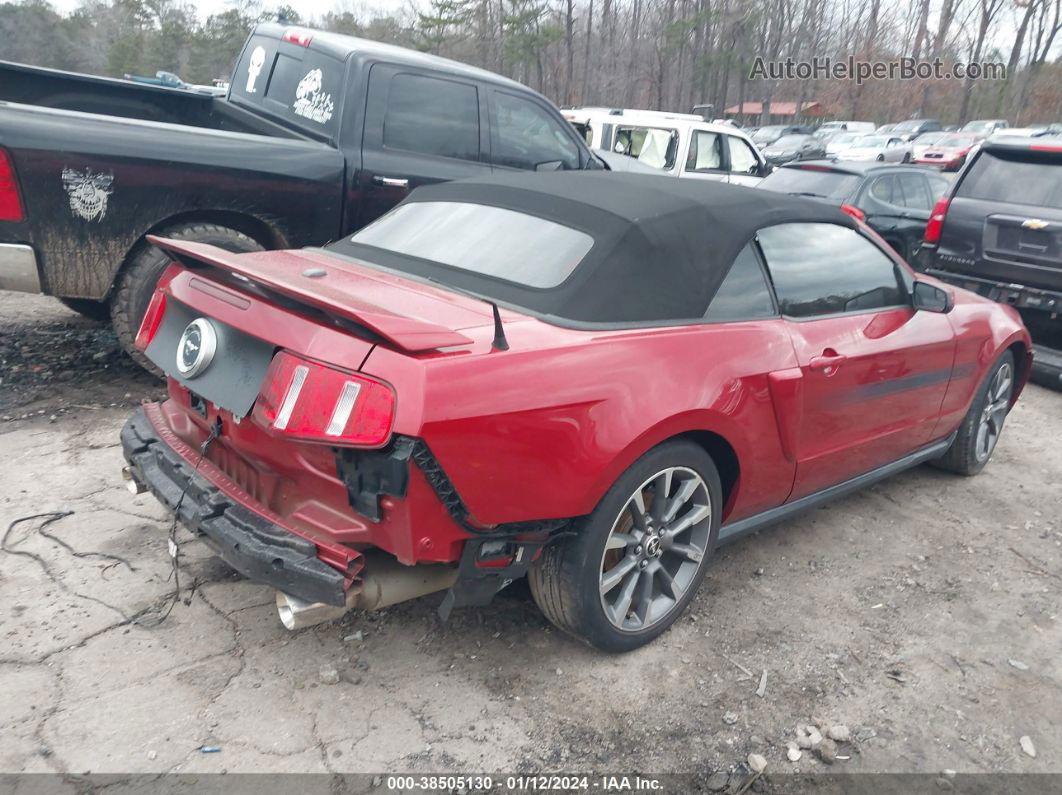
789 142
907 126
957 141
766 133
491 241
844 138
978 126
872 141
811 182
928 139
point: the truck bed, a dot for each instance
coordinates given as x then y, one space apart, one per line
108 96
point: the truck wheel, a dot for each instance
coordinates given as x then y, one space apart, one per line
635 562
136 282
87 307
983 424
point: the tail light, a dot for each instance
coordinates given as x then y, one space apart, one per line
149 326
854 211
10 203
306 400
936 220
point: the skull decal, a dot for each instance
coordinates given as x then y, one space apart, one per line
88 193
255 67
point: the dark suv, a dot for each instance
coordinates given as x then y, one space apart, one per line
999 233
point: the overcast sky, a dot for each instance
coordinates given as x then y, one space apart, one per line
307 8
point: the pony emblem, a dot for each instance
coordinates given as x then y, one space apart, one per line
87 192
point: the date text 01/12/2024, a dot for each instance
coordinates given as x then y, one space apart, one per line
523 783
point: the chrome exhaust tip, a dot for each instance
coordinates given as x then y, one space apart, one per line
135 486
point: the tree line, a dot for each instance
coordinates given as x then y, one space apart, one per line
660 54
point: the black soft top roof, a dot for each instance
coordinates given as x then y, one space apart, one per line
661 245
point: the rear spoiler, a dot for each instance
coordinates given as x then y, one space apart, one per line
337 291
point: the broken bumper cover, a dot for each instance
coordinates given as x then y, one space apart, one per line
249 542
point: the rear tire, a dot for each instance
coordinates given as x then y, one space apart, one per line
620 580
983 423
136 282
87 307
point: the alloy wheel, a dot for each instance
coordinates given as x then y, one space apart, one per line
994 412
655 549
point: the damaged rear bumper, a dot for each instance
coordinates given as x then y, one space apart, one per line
257 547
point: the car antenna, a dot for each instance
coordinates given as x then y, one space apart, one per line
499 343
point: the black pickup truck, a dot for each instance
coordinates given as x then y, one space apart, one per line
999 233
319 134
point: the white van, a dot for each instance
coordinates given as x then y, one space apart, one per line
849 126
676 144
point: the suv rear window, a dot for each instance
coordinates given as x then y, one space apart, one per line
492 241
1014 178
809 182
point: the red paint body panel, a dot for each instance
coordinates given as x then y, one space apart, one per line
542 430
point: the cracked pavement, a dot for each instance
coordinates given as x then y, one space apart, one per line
899 612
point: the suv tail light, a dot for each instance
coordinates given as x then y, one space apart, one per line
855 212
307 400
10 203
936 220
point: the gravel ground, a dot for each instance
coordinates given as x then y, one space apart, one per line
921 615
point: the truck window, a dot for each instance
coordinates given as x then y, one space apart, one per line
432 116
524 135
301 86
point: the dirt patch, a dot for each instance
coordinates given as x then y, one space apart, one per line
921 614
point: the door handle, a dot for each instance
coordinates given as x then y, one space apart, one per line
391 182
829 361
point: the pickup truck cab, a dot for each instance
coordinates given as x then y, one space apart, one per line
318 135
676 144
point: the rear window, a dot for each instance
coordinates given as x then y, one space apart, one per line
1018 178
491 241
294 83
806 182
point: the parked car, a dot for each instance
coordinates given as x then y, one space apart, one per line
882 148
885 128
814 147
984 127
786 149
999 232
912 128
673 144
491 381
950 152
894 200
838 143
765 136
320 134
848 126
924 142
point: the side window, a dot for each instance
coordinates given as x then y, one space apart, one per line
706 152
524 135
915 195
742 159
825 269
884 190
938 186
744 294
653 146
432 116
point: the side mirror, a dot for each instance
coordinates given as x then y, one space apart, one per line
930 298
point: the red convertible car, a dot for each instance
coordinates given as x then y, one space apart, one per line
588 378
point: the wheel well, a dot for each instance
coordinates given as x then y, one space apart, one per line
723 456
1021 360
253 227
